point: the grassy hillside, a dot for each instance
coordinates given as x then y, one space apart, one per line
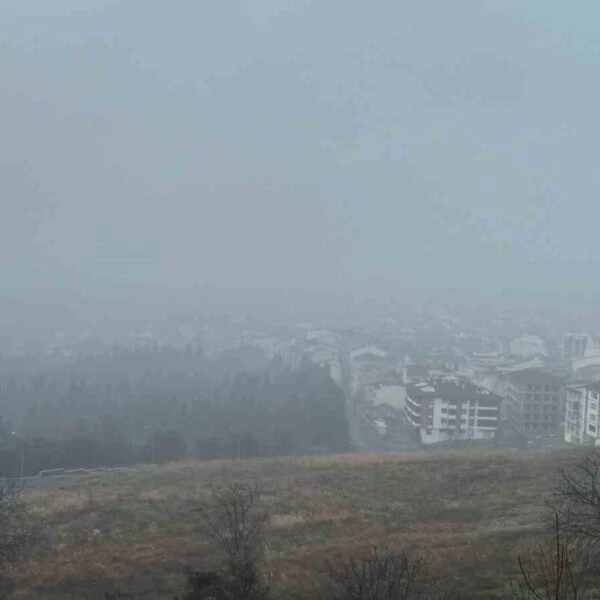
469 512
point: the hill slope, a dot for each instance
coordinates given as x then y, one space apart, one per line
468 511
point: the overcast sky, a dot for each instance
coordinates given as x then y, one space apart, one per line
309 144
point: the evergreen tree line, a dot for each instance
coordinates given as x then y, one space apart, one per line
157 405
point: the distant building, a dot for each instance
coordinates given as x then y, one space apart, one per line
581 414
580 345
369 355
491 379
391 395
446 410
534 401
371 366
448 360
327 357
323 336
574 346
529 346
583 350
437 364
414 371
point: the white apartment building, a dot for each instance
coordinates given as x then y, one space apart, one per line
581 415
580 345
452 409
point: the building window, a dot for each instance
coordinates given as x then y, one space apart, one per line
592 428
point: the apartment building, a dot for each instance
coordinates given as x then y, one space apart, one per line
580 345
581 414
534 401
451 409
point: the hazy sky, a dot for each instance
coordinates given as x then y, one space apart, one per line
312 144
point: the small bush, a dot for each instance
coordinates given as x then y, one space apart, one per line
202 585
378 575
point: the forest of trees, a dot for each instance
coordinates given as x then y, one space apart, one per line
161 404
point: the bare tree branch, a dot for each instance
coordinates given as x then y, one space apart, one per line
557 571
578 498
235 523
378 575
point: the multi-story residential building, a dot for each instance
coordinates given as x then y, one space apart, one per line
580 345
451 409
581 414
370 366
534 401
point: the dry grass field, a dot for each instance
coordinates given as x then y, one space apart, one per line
468 512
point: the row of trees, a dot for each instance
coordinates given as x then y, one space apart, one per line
128 407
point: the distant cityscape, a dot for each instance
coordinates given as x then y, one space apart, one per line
411 378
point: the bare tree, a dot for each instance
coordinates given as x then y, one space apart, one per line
560 570
18 539
235 523
377 575
579 498
13 538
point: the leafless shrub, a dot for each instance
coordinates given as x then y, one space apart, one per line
18 538
202 585
235 523
578 498
560 570
378 575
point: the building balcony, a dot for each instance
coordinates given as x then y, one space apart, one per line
412 412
